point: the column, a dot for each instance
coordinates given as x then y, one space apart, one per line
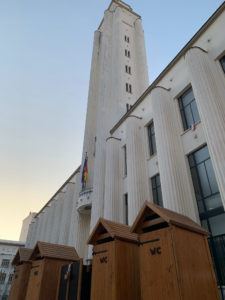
44 221
113 208
30 234
66 214
141 58
51 217
83 234
137 175
176 188
209 90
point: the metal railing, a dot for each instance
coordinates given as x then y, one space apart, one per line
217 249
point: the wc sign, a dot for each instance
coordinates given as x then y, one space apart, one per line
155 251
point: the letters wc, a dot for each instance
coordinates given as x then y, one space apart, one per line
21 274
115 262
47 260
175 262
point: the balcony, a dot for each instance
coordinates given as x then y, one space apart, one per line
85 201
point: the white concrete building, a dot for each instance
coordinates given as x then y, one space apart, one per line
8 250
25 226
164 143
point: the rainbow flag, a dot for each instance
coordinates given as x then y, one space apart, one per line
84 178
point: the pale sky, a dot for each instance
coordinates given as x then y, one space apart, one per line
45 57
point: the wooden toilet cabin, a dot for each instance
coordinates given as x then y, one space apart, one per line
174 256
21 274
47 260
115 262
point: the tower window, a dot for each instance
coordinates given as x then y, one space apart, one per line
128 69
127 39
151 139
222 61
156 190
127 53
128 88
188 109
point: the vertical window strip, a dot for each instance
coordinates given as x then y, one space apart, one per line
222 62
151 139
156 190
126 208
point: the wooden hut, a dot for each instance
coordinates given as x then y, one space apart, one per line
174 256
47 260
115 262
21 274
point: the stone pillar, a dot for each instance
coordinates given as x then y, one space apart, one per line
49 229
209 90
57 219
30 234
141 58
44 221
176 187
66 214
113 208
137 175
83 234
73 226
102 126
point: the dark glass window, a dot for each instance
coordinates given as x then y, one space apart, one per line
207 194
125 160
5 263
2 278
222 61
151 139
156 190
188 109
126 208
10 277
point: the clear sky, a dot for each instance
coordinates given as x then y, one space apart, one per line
45 57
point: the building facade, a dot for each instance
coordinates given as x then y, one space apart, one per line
8 250
164 143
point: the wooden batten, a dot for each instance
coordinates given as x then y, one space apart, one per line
152 217
106 230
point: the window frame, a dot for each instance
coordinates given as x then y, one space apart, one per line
182 107
156 188
150 138
207 214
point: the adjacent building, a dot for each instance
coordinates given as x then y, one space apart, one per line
8 250
163 142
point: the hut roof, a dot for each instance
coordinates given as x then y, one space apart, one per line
105 229
164 215
47 250
22 255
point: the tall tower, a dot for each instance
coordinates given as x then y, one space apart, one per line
119 75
